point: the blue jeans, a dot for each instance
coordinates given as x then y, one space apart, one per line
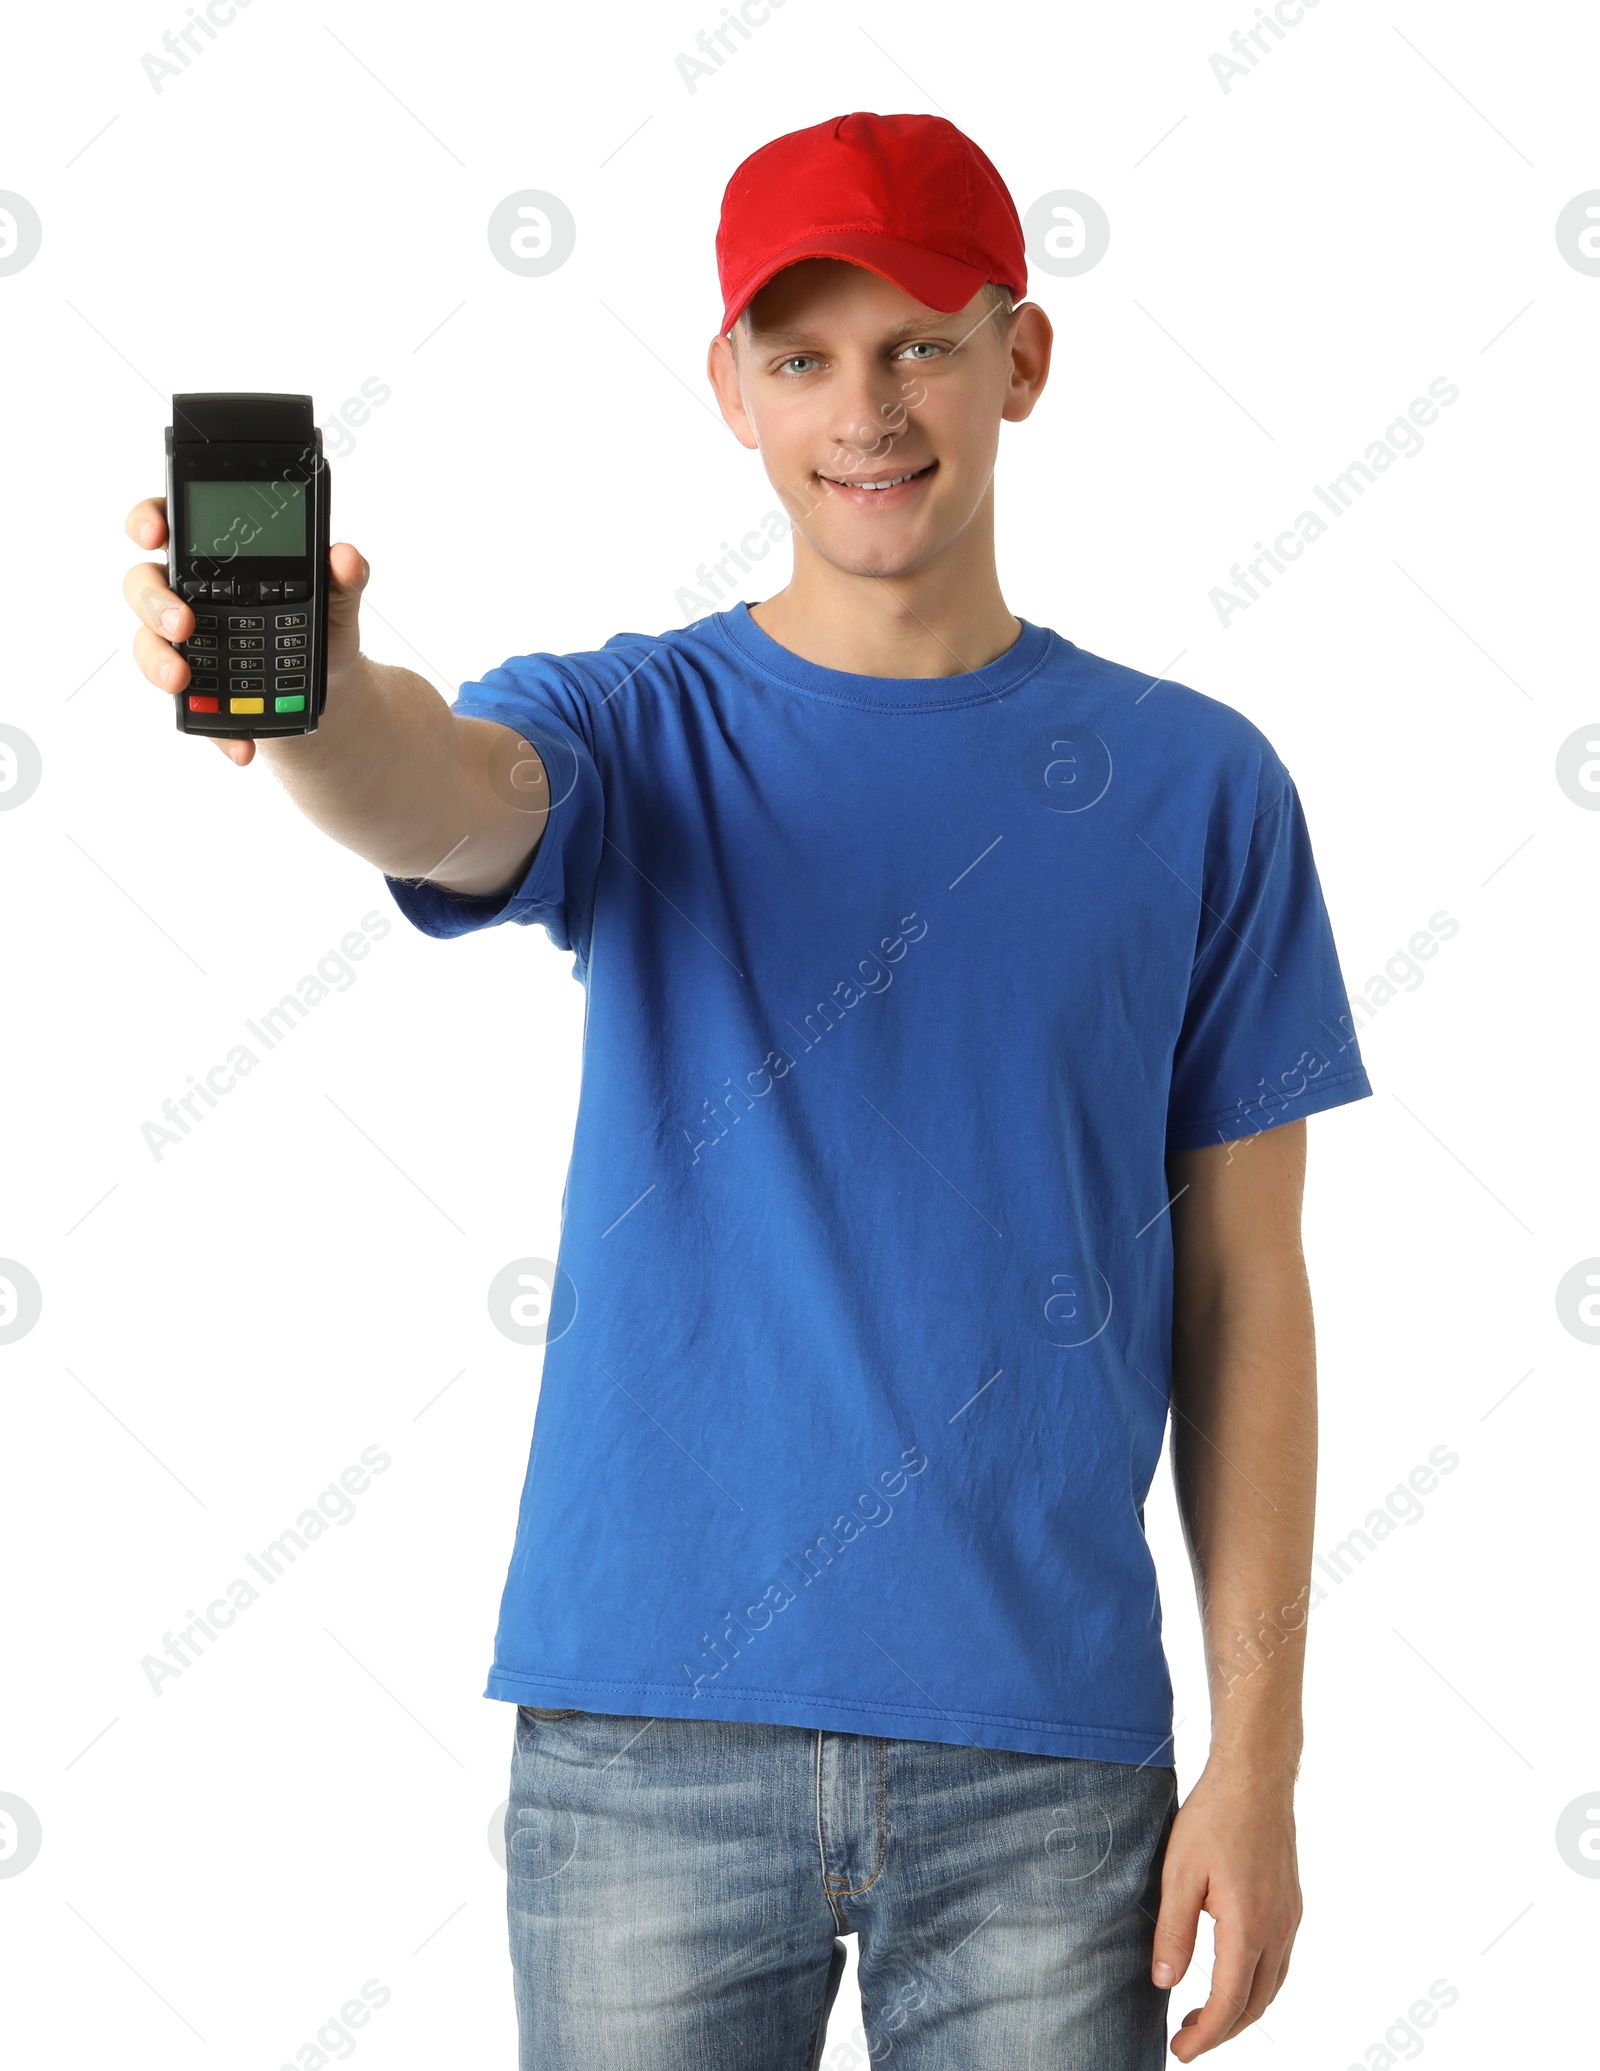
677 1888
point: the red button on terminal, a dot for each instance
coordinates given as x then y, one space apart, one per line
202 704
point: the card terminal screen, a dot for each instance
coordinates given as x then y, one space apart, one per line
228 518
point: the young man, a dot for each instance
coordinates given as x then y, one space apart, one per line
955 1002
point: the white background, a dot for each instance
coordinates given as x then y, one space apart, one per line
226 1328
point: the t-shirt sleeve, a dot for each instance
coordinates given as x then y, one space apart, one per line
1267 1035
536 698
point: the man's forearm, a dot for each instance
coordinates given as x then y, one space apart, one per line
1245 1446
395 775
380 773
1248 1477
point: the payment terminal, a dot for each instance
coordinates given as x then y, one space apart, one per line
247 550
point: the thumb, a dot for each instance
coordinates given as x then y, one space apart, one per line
1177 1925
351 573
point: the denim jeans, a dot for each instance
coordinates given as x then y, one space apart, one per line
677 1889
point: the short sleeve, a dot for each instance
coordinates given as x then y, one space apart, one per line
532 695
1267 1035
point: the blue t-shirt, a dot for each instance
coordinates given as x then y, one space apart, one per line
899 992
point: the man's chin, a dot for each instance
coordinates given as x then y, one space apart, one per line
863 551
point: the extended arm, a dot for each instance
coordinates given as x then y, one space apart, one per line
391 772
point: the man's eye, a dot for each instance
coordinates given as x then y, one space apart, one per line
798 359
922 345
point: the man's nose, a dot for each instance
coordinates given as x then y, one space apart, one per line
871 416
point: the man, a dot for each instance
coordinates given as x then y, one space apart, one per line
955 1002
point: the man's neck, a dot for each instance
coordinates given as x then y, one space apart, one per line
941 620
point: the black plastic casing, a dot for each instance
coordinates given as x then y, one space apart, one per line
250 438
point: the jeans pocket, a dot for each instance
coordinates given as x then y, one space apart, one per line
539 1711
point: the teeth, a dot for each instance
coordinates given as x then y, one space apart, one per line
893 482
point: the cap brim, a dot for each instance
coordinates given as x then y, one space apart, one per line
937 281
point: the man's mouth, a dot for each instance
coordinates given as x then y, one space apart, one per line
885 491
876 484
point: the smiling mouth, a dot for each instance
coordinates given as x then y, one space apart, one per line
879 482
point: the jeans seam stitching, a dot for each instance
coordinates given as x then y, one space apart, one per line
883 1823
822 1851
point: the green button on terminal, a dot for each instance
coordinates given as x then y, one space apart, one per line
288 704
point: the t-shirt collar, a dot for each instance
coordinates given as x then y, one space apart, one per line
886 693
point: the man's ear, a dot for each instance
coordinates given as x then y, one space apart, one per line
1031 340
722 368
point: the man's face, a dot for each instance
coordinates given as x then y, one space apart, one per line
843 380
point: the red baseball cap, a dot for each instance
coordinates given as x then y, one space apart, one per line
907 196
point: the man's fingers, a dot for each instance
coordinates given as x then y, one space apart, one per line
145 588
164 617
1277 1980
161 665
1232 1980
147 522
1263 1989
